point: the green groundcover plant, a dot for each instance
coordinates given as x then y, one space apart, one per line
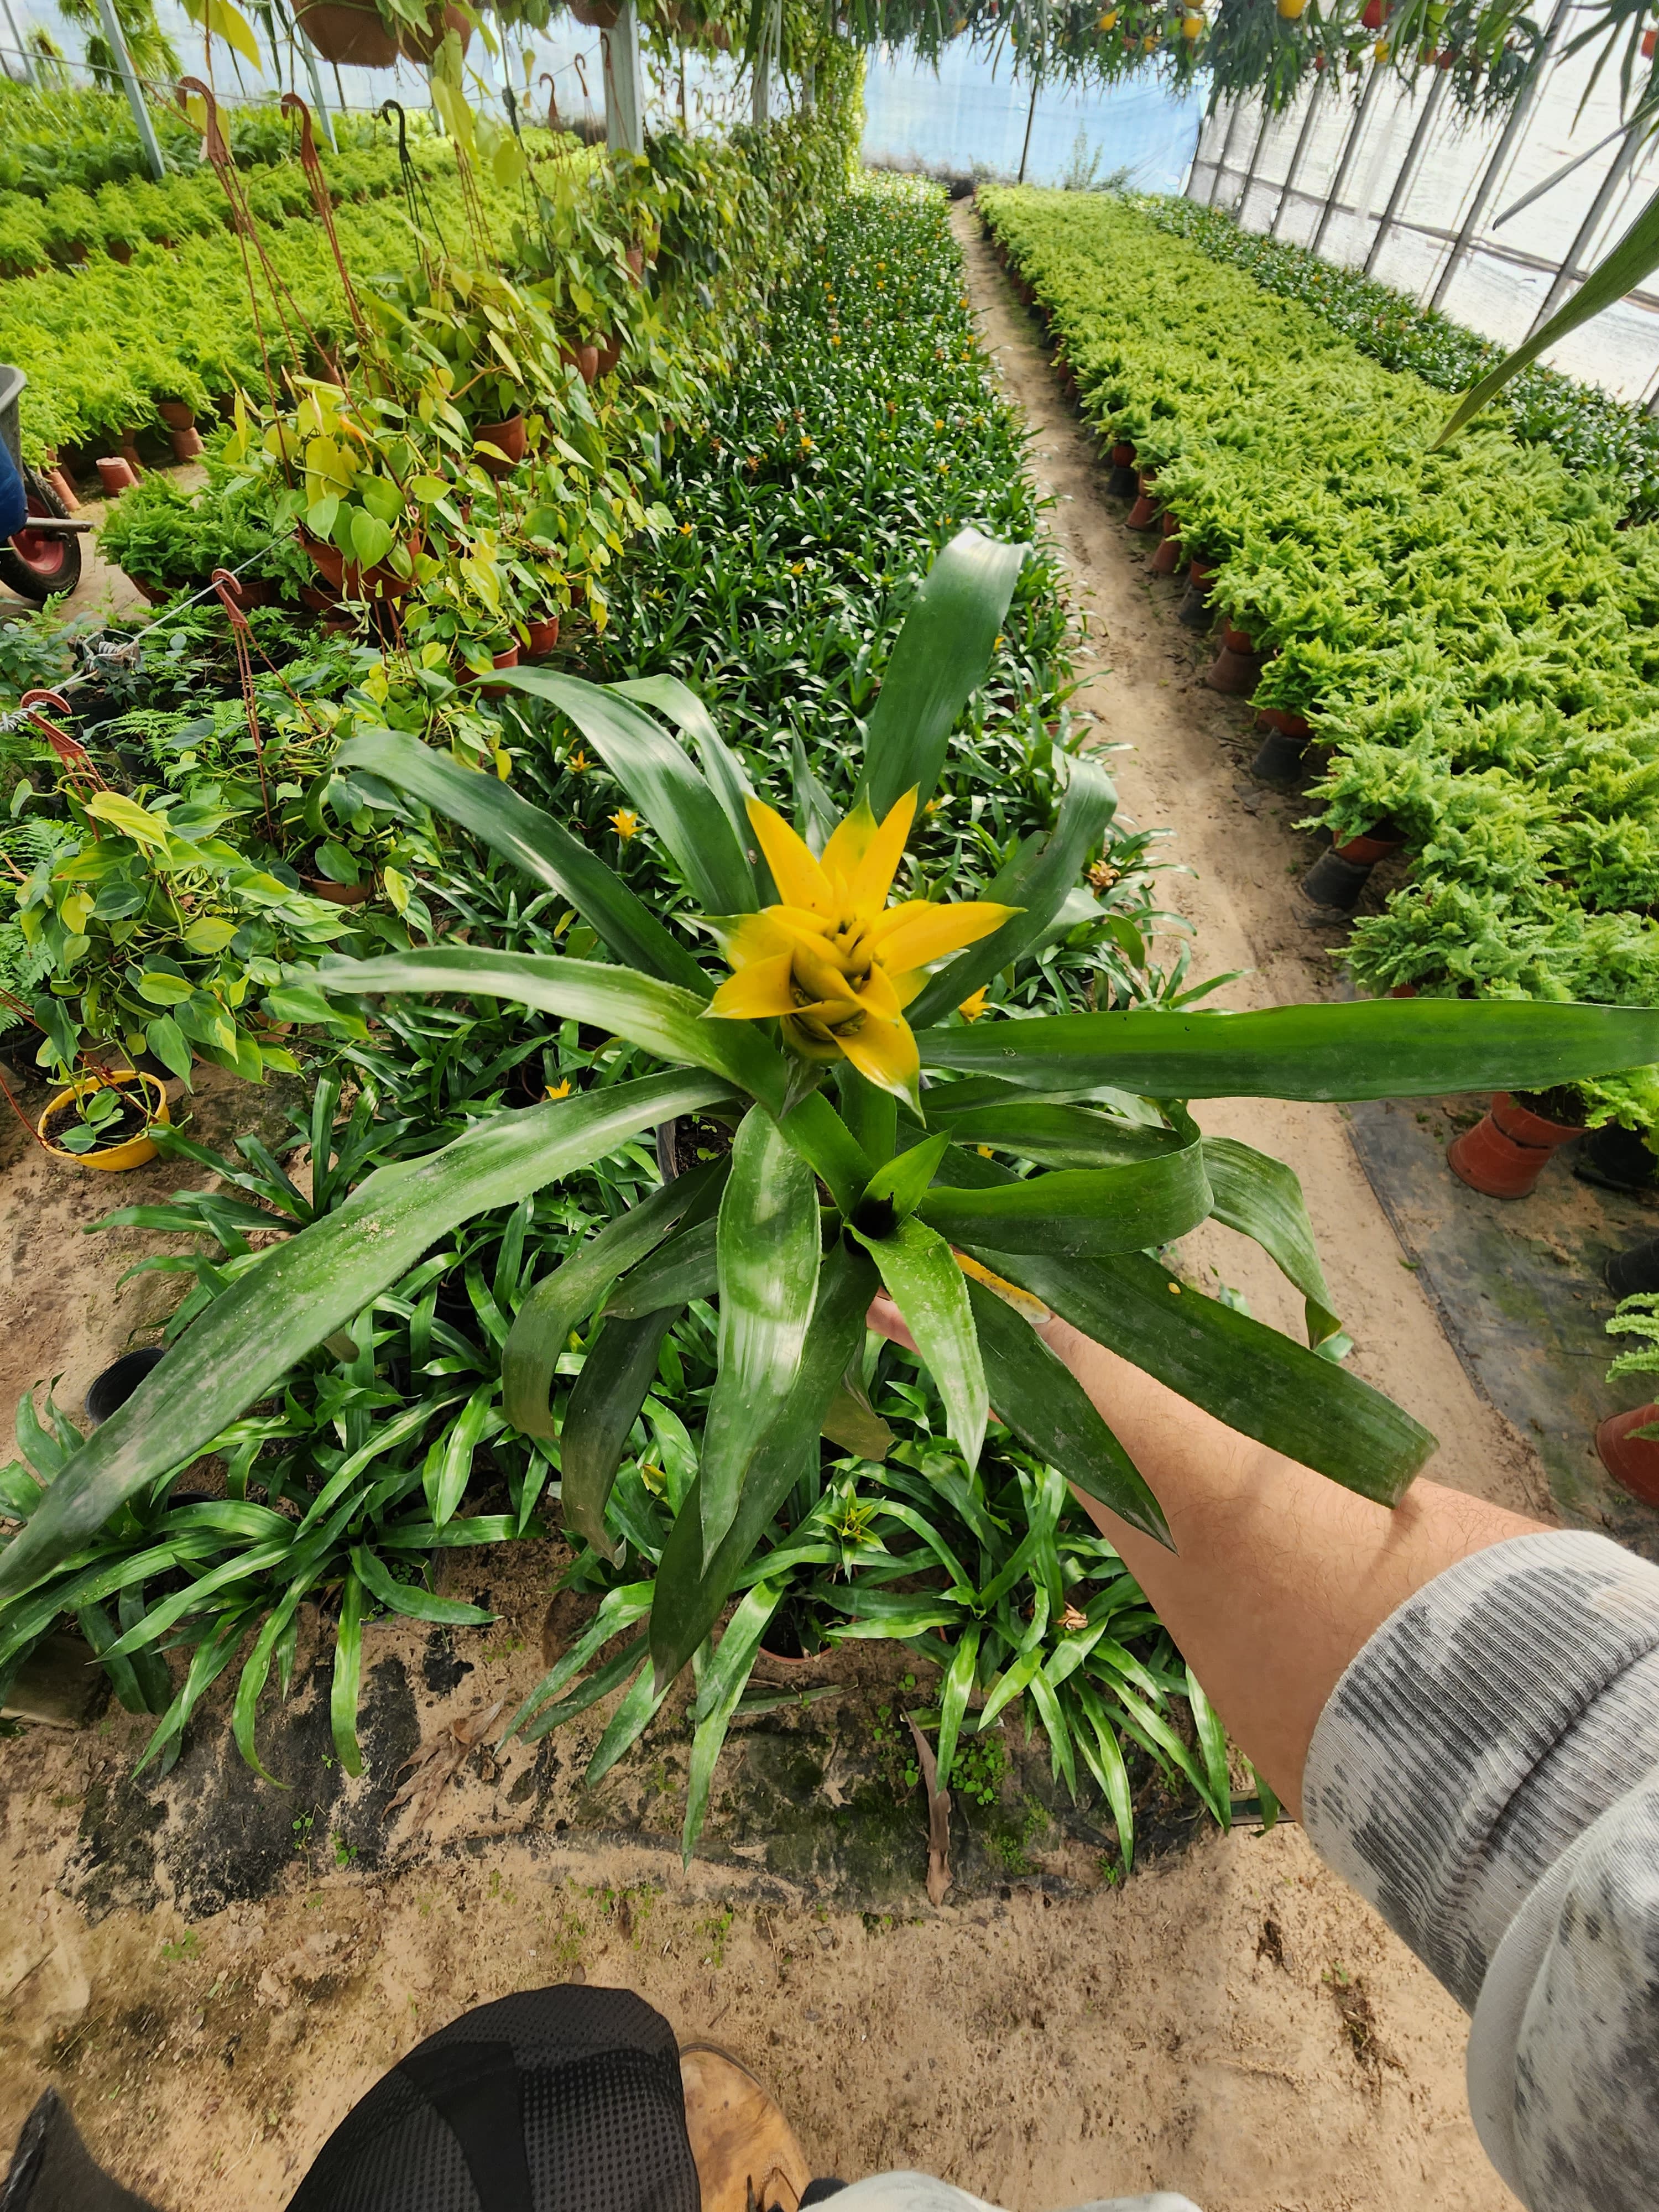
1468 630
878 1137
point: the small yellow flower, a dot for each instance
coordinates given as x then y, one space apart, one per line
797 568
974 1005
805 443
685 529
834 962
933 807
985 1152
625 823
578 763
835 337
938 422
559 1090
998 642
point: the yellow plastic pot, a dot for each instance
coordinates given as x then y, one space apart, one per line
1289 9
137 1150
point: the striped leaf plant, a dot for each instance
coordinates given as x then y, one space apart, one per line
890 1126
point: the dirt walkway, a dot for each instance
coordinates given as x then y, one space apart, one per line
1233 2023
1189 770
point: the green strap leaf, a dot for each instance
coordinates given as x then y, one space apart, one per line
903 1180
1249 1376
768 1252
627 1725
600 1684
644 1011
1054 1136
938 661
1038 881
449 1462
619 1608
1360 1048
1103 1757
1053 1416
604 1406
318 1282
1261 1198
954 1693
688 1597
727 776
686 1267
409 1598
574 1289
256 1671
927 1287
1619 272
1079 1211
722 1686
534 841
346 1688
658 777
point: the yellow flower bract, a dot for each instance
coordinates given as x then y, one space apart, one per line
834 962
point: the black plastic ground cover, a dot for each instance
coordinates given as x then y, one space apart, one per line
1517 1285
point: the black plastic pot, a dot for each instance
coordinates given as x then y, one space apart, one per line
1123 484
1280 760
1616 1158
110 1391
1627 1272
1335 883
1196 609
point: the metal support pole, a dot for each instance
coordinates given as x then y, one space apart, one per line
1295 169
318 103
1030 117
624 108
1220 169
1623 162
1350 152
117 46
1402 183
1519 117
1255 156
16 39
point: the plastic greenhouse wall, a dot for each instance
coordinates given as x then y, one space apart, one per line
1509 271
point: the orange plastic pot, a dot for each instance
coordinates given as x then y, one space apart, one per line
1234 674
335 894
1507 1150
115 1158
1632 1461
540 638
1366 852
1146 510
509 437
1167 557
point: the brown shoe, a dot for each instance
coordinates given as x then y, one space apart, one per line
748 2160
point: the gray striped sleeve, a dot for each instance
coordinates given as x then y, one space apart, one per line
1485 1773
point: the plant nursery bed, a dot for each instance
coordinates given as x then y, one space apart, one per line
1517 1286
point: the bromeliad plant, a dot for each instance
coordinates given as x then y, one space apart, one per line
880 1136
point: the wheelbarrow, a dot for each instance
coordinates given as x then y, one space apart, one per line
44 558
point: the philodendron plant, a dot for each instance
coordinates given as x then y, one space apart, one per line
972 1162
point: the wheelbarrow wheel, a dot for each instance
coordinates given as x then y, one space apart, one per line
35 566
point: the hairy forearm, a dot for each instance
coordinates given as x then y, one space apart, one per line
1278 1576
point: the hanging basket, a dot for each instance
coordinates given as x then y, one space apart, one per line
598 15
421 45
347 32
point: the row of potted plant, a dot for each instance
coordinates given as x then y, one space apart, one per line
1460 640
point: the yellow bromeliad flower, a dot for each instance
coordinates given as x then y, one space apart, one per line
834 963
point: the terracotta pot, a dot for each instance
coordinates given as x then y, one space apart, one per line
177 414
346 32
540 639
513 439
66 491
119 249
598 15
1167 557
382 582
1123 456
320 603
187 445
1235 674
1287 725
129 455
1366 852
608 355
1403 991
1237 641
157 594
118 1157
1507 1150
508 660
115 476
1148 509
635 257
1632 1461
421 45
335 894
584 359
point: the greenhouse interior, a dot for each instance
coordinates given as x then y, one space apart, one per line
830 1012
